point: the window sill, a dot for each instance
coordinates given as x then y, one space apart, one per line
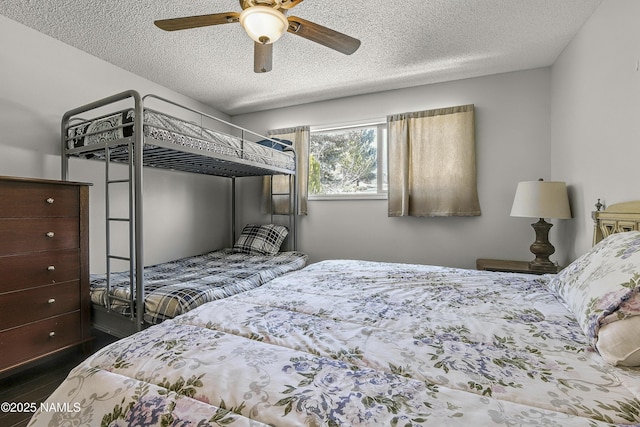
349 197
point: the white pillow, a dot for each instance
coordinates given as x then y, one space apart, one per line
619 342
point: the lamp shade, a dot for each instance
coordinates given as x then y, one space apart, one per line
541 199
263 24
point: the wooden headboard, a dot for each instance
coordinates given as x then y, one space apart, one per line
615 219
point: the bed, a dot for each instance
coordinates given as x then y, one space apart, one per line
177 286
154 132
168 133
357 343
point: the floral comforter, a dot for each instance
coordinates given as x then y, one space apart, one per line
354 343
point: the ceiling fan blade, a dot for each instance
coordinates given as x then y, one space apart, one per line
288 4
323 35
262 57
197 21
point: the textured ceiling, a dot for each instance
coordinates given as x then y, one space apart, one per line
404 43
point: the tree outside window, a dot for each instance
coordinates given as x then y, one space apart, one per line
348 161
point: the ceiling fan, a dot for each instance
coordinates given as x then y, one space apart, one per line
265 21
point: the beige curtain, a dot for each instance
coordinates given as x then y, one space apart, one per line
432 163
299 136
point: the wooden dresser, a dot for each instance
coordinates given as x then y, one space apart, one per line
44 269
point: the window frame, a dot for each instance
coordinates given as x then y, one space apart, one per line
382 170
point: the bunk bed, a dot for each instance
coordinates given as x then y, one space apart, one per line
358 343
125 129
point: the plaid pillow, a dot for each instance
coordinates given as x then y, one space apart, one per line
261 239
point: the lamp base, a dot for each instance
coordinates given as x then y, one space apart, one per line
546 267
542 248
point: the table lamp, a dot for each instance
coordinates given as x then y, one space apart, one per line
541 199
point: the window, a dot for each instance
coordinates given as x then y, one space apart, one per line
348 162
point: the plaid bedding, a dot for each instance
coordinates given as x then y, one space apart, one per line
178 286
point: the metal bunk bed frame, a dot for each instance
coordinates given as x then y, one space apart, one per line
167 156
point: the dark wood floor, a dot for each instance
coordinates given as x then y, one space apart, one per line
35 383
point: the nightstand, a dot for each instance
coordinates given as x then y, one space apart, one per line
508 266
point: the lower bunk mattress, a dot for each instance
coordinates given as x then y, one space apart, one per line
175 287
354 343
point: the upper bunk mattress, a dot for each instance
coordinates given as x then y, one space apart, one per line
162 127
175 287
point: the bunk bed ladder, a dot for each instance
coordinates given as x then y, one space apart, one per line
127 219
289 211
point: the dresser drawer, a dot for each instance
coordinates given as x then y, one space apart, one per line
26 199
35 304
32 235
37 339
38 269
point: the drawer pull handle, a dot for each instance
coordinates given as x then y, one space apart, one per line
51 300
50 234
50 200
51 268
52 334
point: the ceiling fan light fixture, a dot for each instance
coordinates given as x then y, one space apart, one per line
263 24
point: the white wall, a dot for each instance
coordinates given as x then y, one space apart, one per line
40 79
513 144
596 116
576 122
